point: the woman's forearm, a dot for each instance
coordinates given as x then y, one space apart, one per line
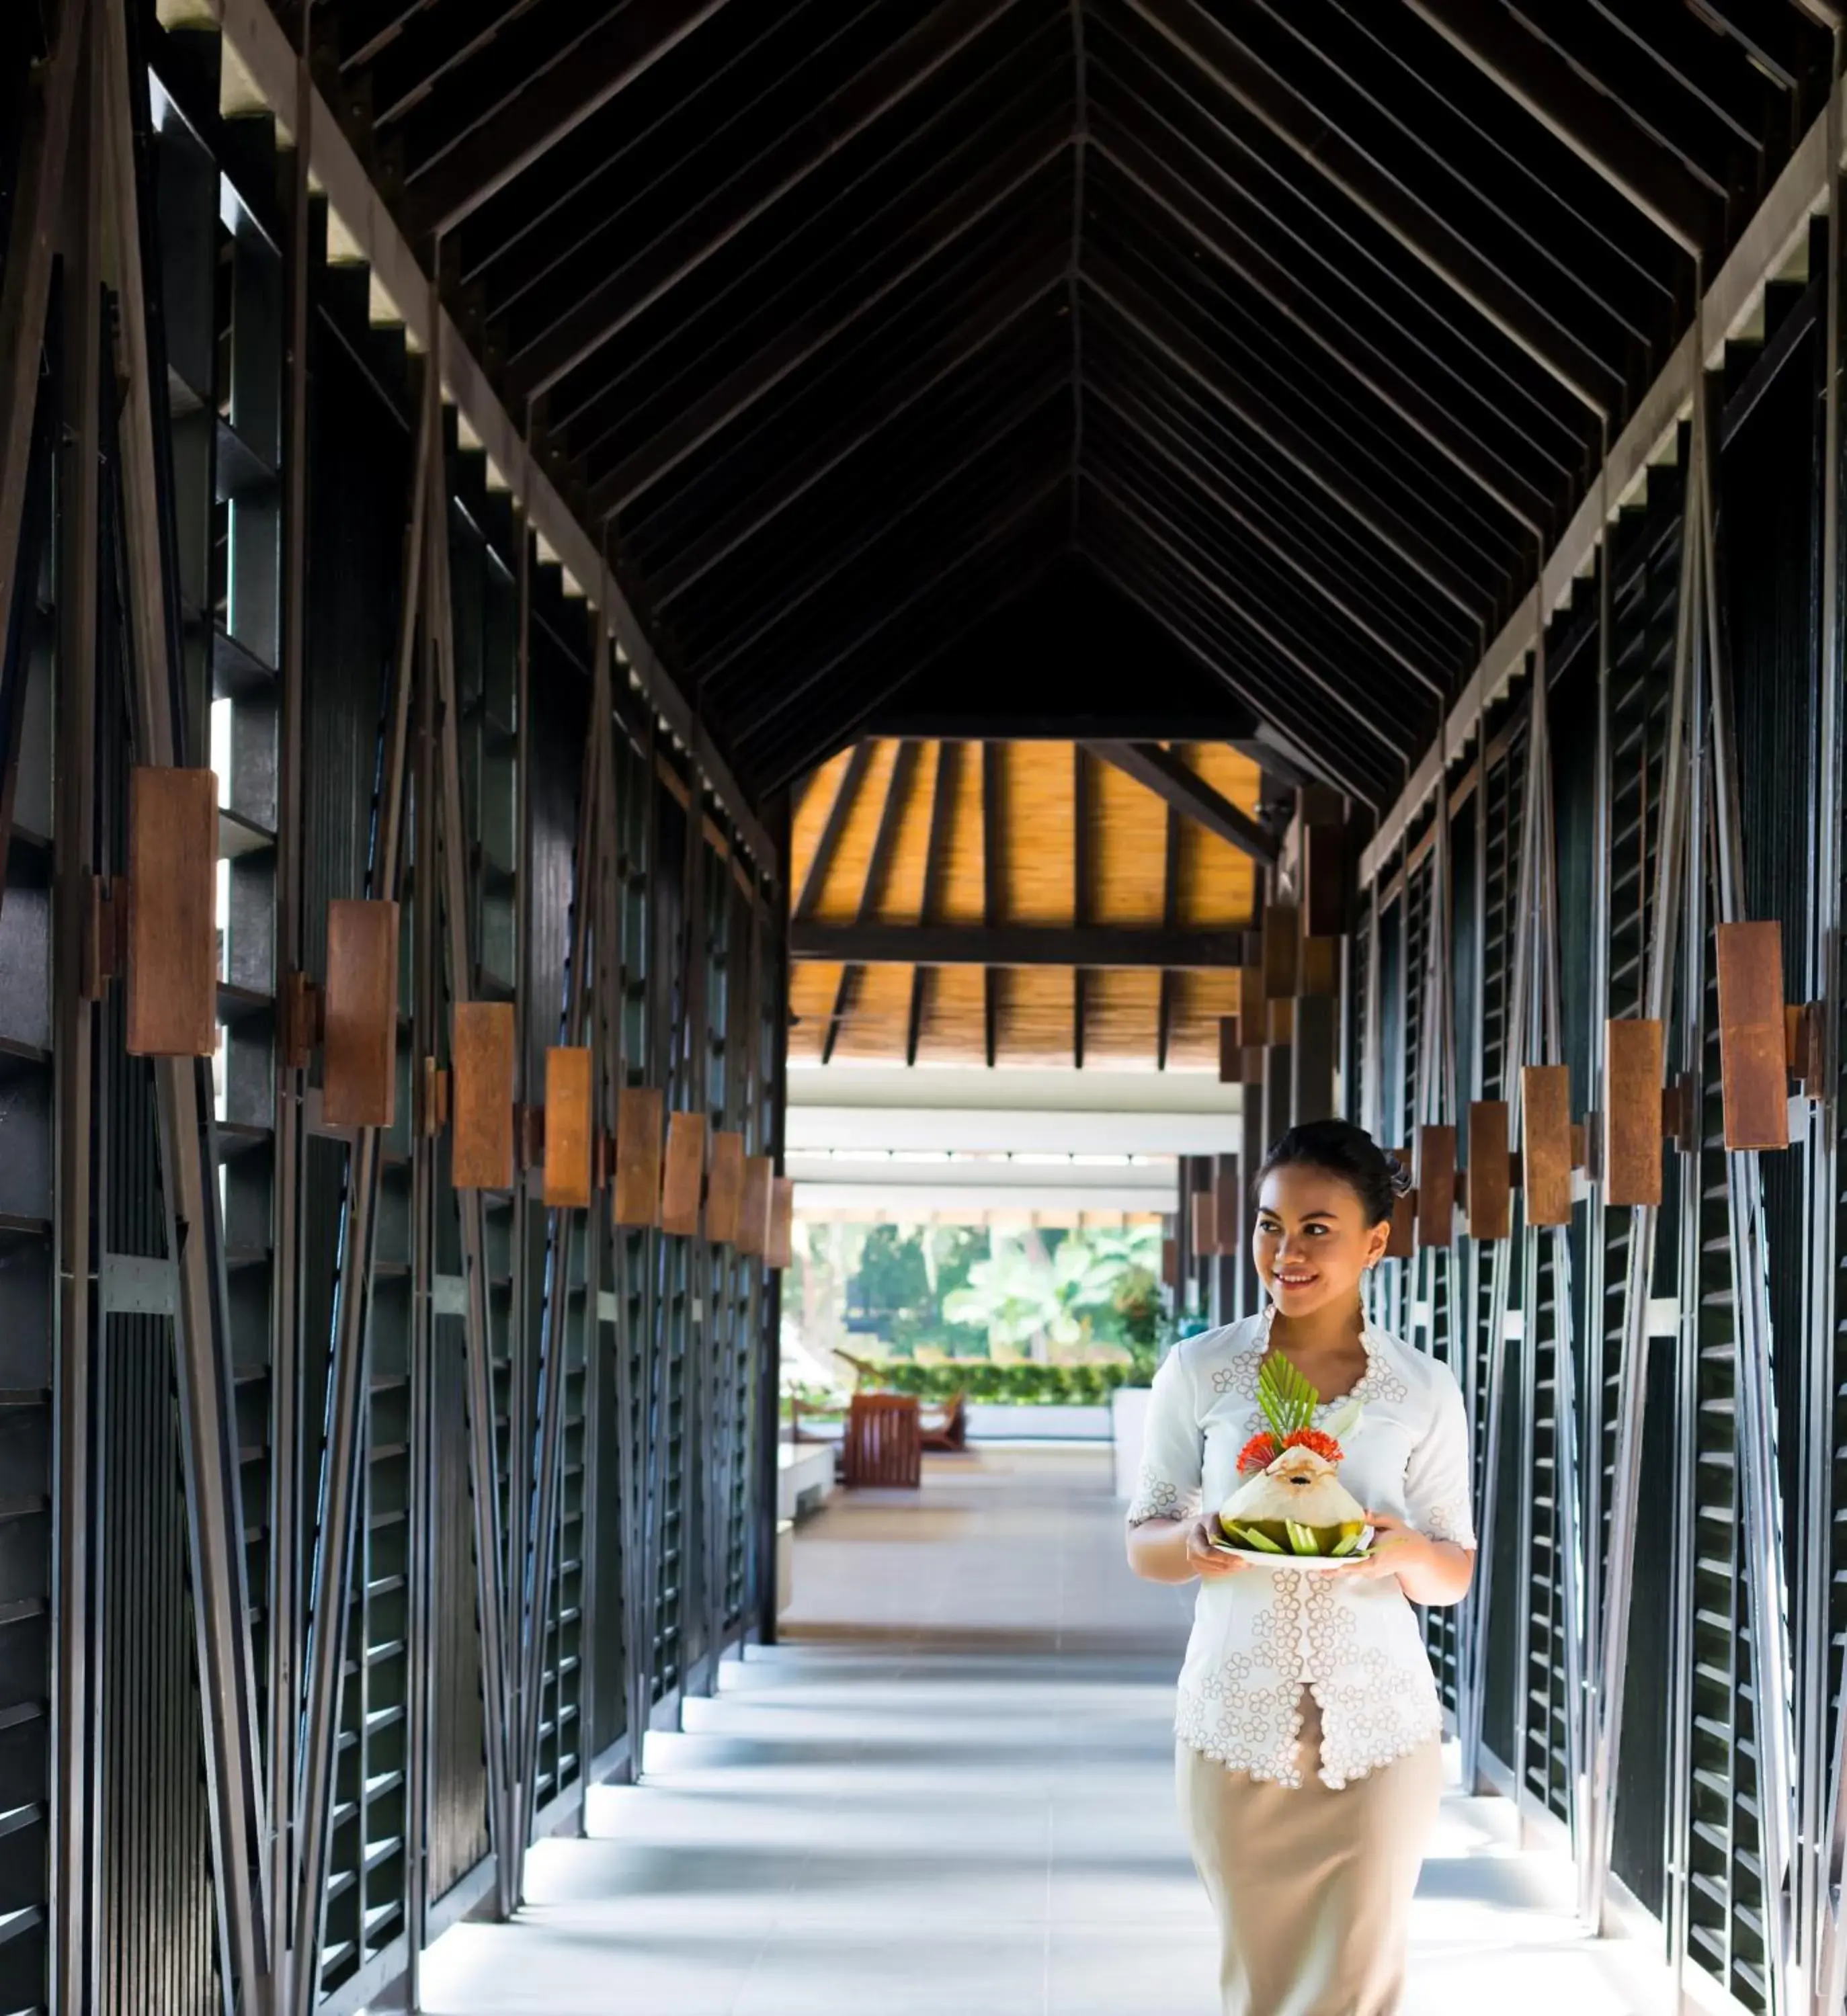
1439 1576
1158 1550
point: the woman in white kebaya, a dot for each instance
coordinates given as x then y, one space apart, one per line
1310 1731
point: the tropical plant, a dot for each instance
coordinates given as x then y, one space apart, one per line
1019 1294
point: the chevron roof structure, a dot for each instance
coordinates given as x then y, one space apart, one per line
1257 349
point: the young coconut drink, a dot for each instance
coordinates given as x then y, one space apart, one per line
1292 1501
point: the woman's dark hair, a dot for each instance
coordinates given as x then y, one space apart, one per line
1342 1150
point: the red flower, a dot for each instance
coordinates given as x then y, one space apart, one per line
1258 1453
1323 1446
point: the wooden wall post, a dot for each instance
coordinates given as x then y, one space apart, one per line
481 1055
568 1130
1753 1035
1547 1156
359 1062
1634 1064
173 859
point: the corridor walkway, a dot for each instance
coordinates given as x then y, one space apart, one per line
950 1792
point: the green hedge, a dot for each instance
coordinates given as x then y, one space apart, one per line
1011 1385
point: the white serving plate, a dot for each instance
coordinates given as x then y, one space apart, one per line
1303 1563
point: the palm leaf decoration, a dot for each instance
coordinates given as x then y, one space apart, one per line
1286 1398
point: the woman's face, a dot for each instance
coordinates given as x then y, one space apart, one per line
1312 1242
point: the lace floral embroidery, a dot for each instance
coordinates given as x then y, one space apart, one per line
1159 1498
1450 1519
1378 1702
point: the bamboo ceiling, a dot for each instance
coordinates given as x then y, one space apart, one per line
1143 865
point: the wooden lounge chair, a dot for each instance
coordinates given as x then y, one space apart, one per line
882 1449
943 1424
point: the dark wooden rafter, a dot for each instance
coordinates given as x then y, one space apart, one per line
1329 681
1170 918
878 875
1187 352
1192 212
999 439
1003 520
1330 770
1037 556
1172 779
823 326
583 76
1427 236
1129 946
618 299
1544 85
993 883
988 323
845 798
936 861
1195 469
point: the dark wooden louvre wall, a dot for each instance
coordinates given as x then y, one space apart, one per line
1693 1832
408 1823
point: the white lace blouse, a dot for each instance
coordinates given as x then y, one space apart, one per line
1260 1636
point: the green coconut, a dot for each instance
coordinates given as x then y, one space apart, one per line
1297 1506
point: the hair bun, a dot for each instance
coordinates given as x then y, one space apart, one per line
1400 1175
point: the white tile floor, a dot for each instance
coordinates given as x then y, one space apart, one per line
950 1791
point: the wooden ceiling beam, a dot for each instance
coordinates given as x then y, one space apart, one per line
1184 350
1187 793
1082 877
1192 211
994 316
1041 548
1170 918
993 882
936 855
819 328
1331 771
1543 83
584 79
1216 53
1100 945
838 813
878 874
1338 684
807 144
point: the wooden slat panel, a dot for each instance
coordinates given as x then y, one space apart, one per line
359 1062
1436 1186
781 1249
567 1129
481 1046
683 1181
753 1218
1170 1262
1205 1224
1490 1189
1634 1053
638 1155
1546 1141
725 1188
1753 1035
173 859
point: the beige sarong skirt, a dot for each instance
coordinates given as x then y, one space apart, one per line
1313 1886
